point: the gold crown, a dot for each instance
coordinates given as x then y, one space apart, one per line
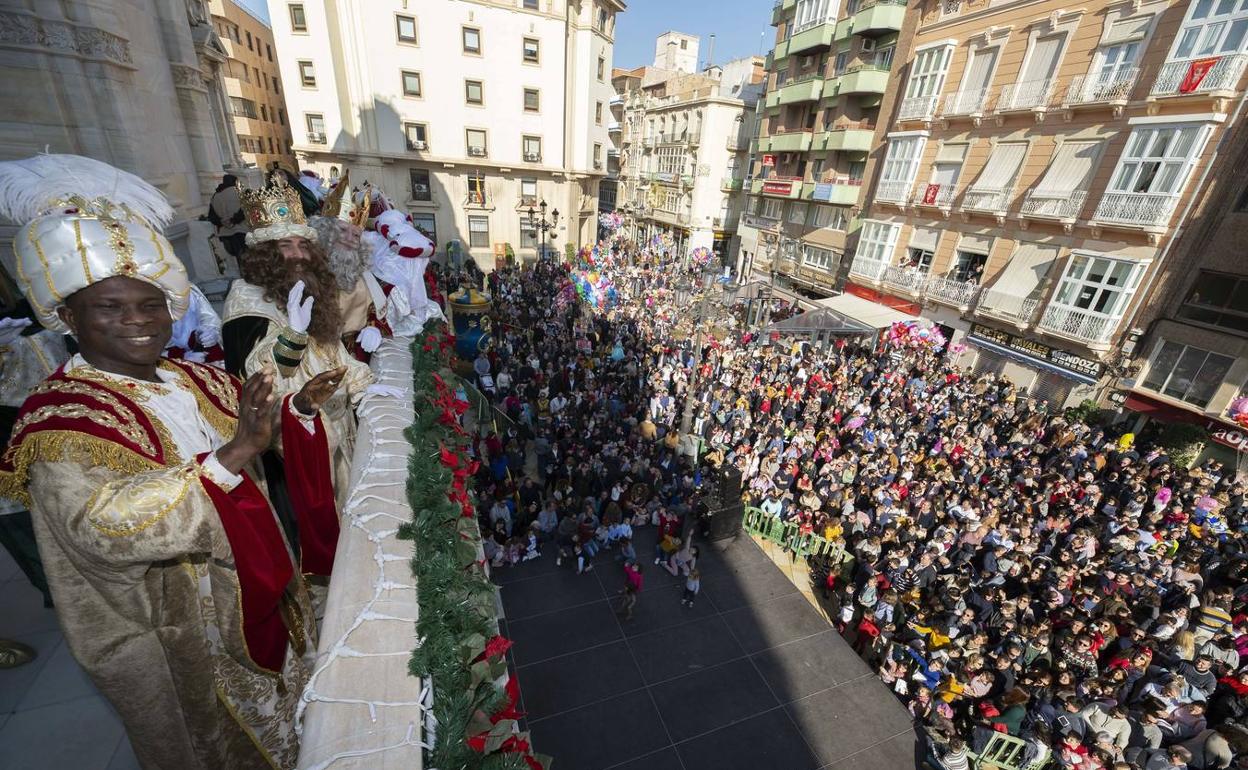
274 212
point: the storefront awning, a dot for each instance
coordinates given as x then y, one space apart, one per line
821 322
872 314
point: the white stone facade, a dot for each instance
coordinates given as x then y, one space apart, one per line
465 113
134 83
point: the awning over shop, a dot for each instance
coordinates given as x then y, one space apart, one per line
750 291
865 311
821 323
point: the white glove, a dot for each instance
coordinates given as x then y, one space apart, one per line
195 356
369 338
388 391
11 329
298 309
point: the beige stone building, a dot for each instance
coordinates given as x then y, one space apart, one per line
1031 175
829 76
683 139
137 84
1191 361
253 86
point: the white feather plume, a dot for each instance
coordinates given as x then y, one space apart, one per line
31 186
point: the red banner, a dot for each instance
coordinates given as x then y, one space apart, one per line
769 160
929 195
778 188
1196 72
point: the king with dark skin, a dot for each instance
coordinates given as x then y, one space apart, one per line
122 326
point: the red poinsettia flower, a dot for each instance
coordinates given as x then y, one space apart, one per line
497 646
477 742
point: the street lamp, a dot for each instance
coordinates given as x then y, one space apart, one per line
682 298
543 225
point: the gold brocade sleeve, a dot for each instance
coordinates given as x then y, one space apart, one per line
119 521
358 378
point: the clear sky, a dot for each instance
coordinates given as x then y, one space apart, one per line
741 27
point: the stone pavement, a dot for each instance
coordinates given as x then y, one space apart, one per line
50 714
751 676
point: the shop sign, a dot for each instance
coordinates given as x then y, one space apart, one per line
1233 437
823 192
769 160
778 188
1086 367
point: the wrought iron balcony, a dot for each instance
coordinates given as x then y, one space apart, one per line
1102 89
1197 76
990 199
1011 307
918 107
907 279
1083 325
1065 207
1026 95
969 102
895 191
867 268
1129 208
950 292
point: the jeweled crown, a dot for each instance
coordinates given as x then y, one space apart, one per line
275 205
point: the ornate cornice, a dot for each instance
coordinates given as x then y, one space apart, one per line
25 31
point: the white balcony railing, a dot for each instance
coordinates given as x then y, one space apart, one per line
918 107
1183 76
986 198
1012 307
966 102
893 191
942 198
949 291
1098 89
1065 207
1078 324
867 268
1135 208
1026 95
316 137
905 278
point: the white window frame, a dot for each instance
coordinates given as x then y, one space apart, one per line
474 232
1149 155
1077 290
928 72
797 213
818 258
1168 379
877 242
812 13
1205 33
773 208
901 166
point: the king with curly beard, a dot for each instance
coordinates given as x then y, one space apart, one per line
284 312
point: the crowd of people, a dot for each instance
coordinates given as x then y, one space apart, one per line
1004 568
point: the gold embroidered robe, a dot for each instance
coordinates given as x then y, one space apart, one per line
144 578
338 413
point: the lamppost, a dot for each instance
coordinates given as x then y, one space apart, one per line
684 292
543 225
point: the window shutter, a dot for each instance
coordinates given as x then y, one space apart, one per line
1128 30
975 244
1002 166
951 153
925 238
1069 170
1026 270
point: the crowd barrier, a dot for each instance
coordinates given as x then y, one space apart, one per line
788 535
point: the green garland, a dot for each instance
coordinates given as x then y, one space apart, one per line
459 650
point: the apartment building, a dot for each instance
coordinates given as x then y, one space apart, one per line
466 112
683 146
1191 361
1035 169
253 86
828 77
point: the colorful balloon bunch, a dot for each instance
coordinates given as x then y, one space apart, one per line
701 256
910 334
611 221
595 289
1238 411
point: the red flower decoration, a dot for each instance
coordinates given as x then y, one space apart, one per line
497 647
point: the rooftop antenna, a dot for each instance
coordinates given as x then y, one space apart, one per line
710 54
